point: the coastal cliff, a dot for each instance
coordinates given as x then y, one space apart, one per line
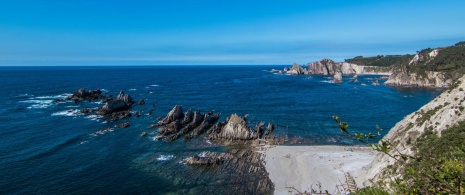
414 74
433 68
439 115
437 68
329 67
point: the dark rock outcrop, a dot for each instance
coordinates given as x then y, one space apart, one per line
174 115
83 95
123 125
208 121
114 108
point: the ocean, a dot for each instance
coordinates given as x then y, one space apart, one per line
50 148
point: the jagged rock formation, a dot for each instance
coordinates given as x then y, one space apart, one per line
114 108
296 70
235 129
234 132
441 113
323 67
176 124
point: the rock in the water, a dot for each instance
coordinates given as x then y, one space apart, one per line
296 70
188 117
337 78
143 134
123 125
260 128
269 129
175 114
83 95
113 106
125 97
208 121
235 129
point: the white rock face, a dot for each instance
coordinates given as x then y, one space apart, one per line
236 129
337 78
442 112
429 79
433 53
329 67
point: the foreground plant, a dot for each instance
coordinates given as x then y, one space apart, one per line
438 166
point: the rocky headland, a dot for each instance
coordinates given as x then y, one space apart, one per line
432 68
440 114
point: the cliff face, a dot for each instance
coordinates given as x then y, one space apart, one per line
415 74
329 67
441 113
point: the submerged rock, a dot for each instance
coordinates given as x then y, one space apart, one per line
123 125
208 158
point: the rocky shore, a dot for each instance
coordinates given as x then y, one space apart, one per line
335 69
242 157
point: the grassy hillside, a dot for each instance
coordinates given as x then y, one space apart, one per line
381 60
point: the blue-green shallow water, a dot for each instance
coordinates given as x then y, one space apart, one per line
47 148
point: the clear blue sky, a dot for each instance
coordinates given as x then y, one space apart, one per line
142 32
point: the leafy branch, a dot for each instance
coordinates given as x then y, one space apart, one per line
383 146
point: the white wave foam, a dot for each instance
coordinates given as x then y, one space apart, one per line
93 117
72 112
132 89
104 90
327 81
165 157
24 95
154 85
203 155
52 96
101 132
38 103
72 106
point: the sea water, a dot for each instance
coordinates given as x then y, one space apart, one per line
49 147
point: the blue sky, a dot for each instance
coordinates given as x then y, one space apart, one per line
151 32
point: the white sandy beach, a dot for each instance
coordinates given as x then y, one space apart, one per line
304 167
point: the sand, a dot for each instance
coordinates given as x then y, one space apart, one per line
306 167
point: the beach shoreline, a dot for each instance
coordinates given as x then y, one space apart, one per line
316 167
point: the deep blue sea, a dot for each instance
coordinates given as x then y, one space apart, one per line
49 148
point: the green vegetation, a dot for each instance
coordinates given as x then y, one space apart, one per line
437 167
370 191
448 59
381 60
441 165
